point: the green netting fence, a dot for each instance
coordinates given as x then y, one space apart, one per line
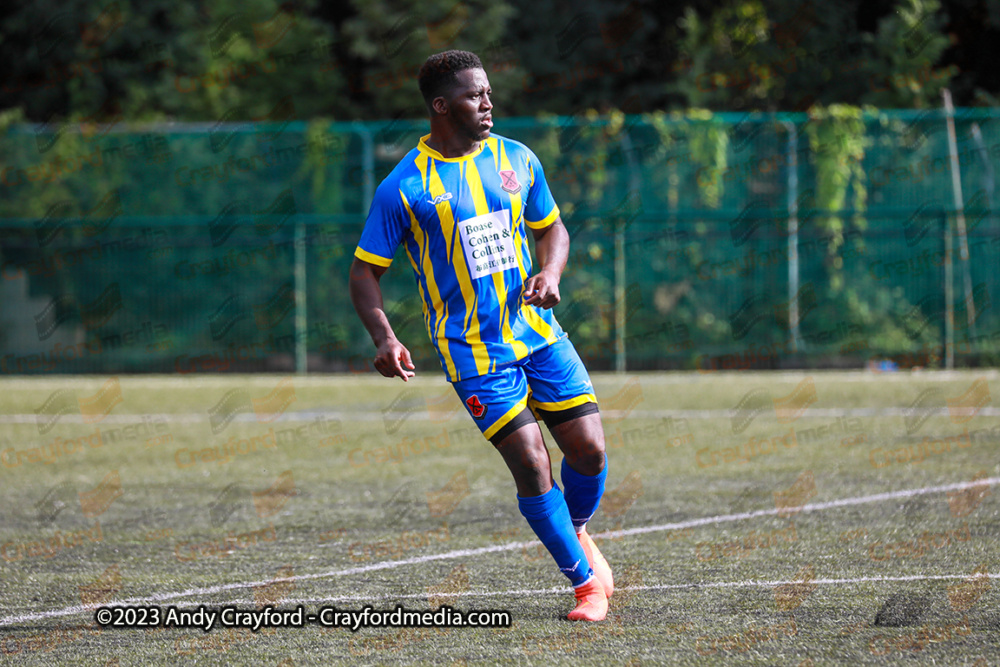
699 241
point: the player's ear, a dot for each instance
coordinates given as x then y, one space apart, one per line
440 106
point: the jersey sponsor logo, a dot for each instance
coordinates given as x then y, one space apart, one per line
440 198
509 181
488 243
477 408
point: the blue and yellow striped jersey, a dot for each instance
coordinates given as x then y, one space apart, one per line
462 222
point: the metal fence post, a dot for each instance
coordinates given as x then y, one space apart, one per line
793 234
301 317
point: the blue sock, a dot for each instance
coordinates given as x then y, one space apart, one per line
583 493
549 518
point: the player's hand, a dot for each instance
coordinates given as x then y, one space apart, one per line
542 290
390 358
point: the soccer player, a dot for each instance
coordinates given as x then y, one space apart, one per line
461 202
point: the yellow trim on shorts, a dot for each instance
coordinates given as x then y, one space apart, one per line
505 419
564 405
371 258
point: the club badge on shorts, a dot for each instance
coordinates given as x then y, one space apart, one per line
477 409
509 181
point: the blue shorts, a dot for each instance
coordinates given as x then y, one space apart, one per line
552 382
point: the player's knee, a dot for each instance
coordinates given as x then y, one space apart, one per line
534 461
587 458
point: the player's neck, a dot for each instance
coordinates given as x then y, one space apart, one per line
451 145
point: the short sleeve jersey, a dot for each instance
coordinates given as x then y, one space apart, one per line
462 222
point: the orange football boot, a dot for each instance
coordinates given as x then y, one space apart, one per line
597 562
591 602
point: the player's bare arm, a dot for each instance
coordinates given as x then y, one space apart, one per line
551 251
366 295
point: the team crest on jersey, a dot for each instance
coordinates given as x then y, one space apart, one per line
509 181
477 409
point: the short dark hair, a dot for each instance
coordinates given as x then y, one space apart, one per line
440 72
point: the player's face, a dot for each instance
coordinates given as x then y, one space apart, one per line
469 107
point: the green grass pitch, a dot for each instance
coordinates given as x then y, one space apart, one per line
750 518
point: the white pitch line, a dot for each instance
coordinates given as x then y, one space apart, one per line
747 583
467 553
422 415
